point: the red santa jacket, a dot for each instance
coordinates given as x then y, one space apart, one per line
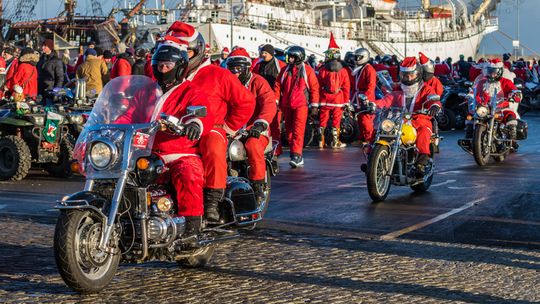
26 75
365 81
2 65
397 99
442 69
177 100
122 67
475 71
436 85
380 67
393 70
148 71
230 102
335 87
10 72
266 107
483 96
297 87
521 73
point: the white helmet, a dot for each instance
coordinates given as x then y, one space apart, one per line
361 56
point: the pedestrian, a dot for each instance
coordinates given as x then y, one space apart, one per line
365 82
24 83
93 70
140 62
50 69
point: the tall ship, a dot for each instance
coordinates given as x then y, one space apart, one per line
444 28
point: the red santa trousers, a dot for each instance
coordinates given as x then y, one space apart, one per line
295 126
275 131
213 148
324 116
366 126
187 177
423 134
255 153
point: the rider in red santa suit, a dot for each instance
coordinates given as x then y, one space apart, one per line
179 152
230 103
493 82
416 96
335 89
239 63
296 88
365 82
428 70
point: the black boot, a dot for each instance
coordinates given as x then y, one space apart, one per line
421 164
468 131
193 228
212 197
258 190
511 126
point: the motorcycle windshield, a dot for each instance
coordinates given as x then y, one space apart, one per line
487 93
121 121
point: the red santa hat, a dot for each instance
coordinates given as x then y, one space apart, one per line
173 41
423 58
408 64
240 52
225 50
332 44
182 31
496 63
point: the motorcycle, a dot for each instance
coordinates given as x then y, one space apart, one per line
490 136
455 108
394 154
531 97
238 165
126 212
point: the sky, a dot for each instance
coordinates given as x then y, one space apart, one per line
496 43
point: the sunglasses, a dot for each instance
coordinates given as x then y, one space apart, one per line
236 69
166 64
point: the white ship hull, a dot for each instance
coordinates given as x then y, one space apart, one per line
218 36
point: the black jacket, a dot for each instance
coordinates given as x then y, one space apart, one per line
138 67
50 73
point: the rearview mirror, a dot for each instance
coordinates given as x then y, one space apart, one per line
196 111
434 97
468 84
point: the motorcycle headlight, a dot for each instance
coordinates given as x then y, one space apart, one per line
387 125
101 155
76 119
482 112
237 151
38 120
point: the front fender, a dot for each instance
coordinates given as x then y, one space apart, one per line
382 142
83 200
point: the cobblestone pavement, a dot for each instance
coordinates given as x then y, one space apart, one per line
271 266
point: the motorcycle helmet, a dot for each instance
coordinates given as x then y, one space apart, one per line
332 54
361 56
349 59
387 60
194 40
410 71
175 59
239 63
493 70
428 67
297 53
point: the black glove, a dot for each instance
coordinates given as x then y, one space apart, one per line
371 106
314 112
257 129
192 131
434 110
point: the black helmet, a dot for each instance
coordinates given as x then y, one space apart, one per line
387 59
169 53
199 50
297 53
349 59
240 65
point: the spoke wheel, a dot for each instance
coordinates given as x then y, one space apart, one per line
480 145
378 173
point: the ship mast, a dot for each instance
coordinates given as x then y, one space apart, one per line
481 10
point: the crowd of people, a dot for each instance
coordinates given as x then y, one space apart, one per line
253 93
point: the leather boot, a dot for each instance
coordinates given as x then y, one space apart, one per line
421 163
321 137
258 190
193 228
212 197
336 144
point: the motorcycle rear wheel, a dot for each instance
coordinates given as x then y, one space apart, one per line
82 266
481 156
199 258
377 175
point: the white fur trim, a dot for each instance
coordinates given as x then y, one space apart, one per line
188 39
228 129
335 105
407 69
181 47
169 158
263 121
192 75
197 121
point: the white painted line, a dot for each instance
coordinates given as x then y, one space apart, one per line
444 183
396 234
352 185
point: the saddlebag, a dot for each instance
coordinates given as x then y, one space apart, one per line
522 129
240 193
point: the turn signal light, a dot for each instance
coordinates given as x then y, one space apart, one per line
75 167
143 163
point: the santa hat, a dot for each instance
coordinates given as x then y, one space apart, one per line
225 50
408 64
423 58
332 44
174 42
182 31
240 52
207 47
495 63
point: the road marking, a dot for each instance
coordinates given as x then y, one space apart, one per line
396 234
444 183
352 185
3 206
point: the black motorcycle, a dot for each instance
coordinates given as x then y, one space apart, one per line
127 209
455 107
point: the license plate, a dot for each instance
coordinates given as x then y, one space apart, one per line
140 140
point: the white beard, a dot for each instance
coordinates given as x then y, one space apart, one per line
411 90
490 88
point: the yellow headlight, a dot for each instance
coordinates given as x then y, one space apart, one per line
408 134
164 204
387 125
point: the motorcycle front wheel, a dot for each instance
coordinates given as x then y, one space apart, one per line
378 173
480 145
83 266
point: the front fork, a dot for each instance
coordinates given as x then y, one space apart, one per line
490 132
109 226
